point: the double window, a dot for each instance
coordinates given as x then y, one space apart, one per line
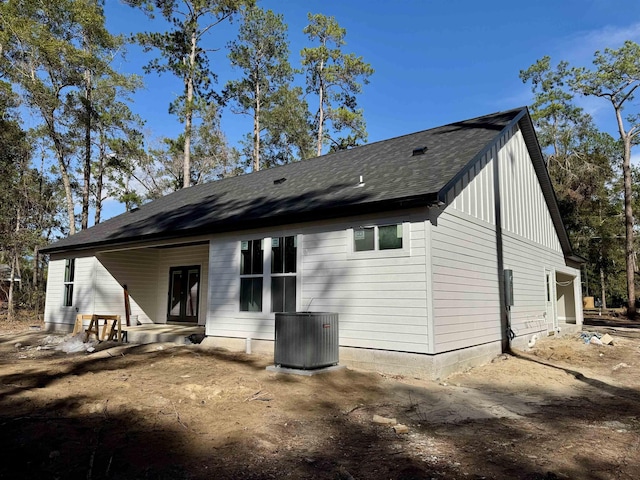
384 237
391 240
69 274
280 278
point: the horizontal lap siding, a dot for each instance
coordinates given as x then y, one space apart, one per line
466 298
181 257
381 302
528 262
224 317
138 270
83 290
53 301
465 288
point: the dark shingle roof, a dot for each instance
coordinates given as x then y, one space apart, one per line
317 188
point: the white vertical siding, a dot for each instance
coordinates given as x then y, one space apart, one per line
525 211
474 192
381 300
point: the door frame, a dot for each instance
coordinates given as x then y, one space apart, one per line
182 317
550 299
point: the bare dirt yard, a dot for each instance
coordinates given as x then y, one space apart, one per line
564 409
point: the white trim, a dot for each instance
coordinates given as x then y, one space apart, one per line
299 271
428 258
405 251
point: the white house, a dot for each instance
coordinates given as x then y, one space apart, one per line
407 239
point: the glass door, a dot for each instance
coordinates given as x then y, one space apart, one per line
184 294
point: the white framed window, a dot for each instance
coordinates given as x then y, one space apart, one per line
251 275
284 260
69 274
374 241
269 274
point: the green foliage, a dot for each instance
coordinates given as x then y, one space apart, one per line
53 53
148 174
336 77
582 165
616 77
181 54
288 135
279 112
28 207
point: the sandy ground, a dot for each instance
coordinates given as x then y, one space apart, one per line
561 410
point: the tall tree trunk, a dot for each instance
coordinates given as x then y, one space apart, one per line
256 129
628 214
99 176
629 243
36 266
87 151
320 111
603 294
186 170
68 193
64 172
10 303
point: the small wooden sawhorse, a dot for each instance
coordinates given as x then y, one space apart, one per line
112 325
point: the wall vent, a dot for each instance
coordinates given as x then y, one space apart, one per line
419 151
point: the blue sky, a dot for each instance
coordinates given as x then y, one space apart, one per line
435 62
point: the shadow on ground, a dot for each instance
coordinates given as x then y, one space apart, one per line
312 427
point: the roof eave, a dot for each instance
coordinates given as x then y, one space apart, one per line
423 200
442 194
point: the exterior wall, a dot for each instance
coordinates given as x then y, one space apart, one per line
57 316
138 270
176 257
468 250
99 277
531 245
524 210
380 296
465 285
439 295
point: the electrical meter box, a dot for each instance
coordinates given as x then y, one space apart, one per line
508 288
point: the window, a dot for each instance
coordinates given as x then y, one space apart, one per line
390 237
385 237
251 270
284 251
392 240
364 239
276 283
69 273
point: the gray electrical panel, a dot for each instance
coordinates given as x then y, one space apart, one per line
508 288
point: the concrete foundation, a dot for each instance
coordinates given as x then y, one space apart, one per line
428 367
522 342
